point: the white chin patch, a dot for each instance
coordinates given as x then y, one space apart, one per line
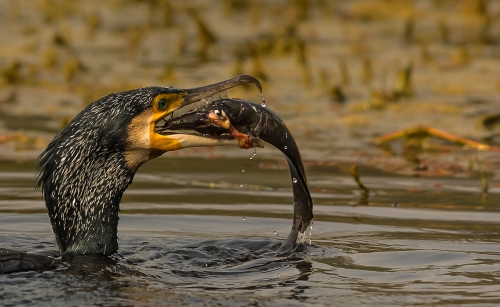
138 140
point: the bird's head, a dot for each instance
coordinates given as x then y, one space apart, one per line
138 113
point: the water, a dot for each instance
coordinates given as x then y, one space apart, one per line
184 241
253 154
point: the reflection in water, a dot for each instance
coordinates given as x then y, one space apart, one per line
346 261
218 245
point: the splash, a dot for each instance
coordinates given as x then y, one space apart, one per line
254 153
305 237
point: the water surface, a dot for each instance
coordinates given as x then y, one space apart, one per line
190 235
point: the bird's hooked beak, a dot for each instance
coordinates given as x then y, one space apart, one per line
167 141
199 93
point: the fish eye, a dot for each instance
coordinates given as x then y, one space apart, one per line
162 104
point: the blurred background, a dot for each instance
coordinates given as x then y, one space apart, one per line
406 90
340 73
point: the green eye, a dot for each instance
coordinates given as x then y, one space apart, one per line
162 104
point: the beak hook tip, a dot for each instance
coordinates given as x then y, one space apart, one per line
198 93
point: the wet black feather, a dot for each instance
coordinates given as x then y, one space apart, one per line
83 173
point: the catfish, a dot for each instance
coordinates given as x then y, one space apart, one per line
250 123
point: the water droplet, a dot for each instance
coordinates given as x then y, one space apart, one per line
275 232
205 101
279 276
286 135
254 153
216 111
286 147
243 218
294 180
263 105
242 170
241 185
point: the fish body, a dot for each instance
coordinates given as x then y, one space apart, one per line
251 122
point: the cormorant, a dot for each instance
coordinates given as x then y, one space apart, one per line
84 171
89 164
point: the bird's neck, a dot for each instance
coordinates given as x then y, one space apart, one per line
82 195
